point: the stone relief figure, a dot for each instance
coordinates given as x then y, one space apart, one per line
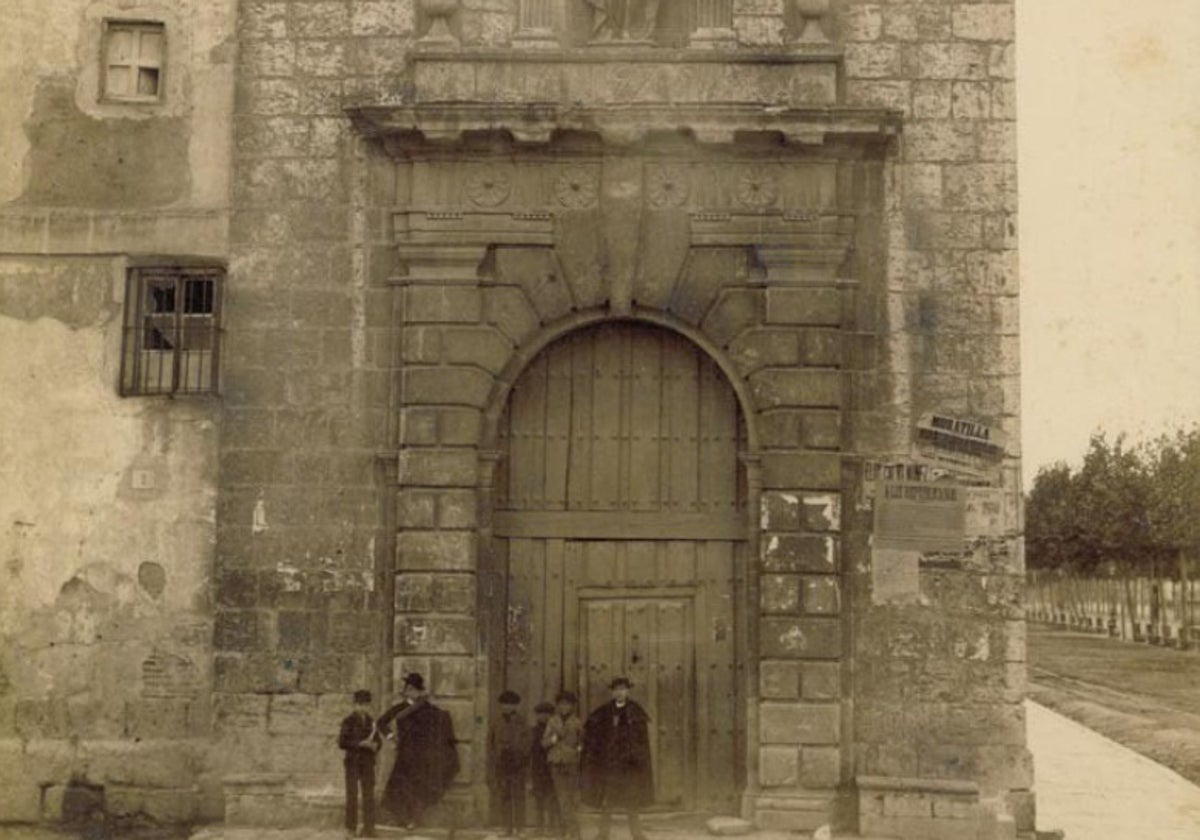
623 20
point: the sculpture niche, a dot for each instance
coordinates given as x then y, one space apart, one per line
623 20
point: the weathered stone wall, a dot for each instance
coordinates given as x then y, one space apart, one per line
929 328
939 674
107 503
299 604
367 350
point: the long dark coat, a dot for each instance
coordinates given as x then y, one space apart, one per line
426 755
616 757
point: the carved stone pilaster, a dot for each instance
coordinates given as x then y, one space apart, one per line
713 25
630 22
537 24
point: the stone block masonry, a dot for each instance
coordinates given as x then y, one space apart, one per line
305 599
822 210
949 67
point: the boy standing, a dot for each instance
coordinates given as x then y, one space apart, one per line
563 739
360 741
543 782
508 749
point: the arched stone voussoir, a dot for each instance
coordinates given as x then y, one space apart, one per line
537 271
484 346
508 309
735 311
705 273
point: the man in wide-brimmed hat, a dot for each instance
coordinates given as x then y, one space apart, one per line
616 759
426 755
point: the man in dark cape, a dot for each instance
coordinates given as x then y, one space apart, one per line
426 755
616 759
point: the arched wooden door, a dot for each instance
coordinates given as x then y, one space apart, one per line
619 517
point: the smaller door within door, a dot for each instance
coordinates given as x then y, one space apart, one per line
649 640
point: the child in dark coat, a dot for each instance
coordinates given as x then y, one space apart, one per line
508 750
360 741
542 782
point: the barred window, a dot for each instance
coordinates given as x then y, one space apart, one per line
133 59
172 331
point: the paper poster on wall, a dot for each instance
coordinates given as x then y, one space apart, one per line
895 576
989 512
920 516
964 445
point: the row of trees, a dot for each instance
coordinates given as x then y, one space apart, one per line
1133 510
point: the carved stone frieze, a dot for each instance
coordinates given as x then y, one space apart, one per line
620 226
406 129
623 76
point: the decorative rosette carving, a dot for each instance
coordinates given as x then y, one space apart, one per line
757 187
667 187
576 188
489 186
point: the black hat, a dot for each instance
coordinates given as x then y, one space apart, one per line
568 696
544 708
362 696
415 680
618 681
507 696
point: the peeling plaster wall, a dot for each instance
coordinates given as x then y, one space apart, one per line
106 528
78 174
107 504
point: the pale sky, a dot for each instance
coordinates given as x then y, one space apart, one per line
1109 131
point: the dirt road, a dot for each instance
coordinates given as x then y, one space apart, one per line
1146 698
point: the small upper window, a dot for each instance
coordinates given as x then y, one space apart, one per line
172 331
133 61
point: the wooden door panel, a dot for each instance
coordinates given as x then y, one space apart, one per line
672 657
716 713
621 417
609 428
648 640
644 417
681 425
718 438
557 428
579 457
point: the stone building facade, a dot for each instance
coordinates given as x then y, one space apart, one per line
539 341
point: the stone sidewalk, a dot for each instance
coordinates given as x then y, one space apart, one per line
1087 785
1094 788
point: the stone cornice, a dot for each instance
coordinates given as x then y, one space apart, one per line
413 125
616 53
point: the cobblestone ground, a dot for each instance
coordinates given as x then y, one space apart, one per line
1093 788
1089 786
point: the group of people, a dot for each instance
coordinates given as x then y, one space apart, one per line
426 756
603 762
